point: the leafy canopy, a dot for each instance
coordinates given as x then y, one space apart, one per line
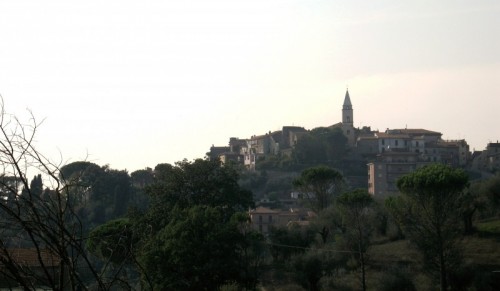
319 185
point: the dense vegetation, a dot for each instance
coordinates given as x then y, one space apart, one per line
195 234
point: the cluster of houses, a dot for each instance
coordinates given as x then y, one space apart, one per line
248 151
388 155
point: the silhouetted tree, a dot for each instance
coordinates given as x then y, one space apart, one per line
433 197
355 209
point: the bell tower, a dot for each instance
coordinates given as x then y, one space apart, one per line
347 112
348 120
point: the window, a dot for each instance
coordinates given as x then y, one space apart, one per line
260 218
396 142
270 218
383 141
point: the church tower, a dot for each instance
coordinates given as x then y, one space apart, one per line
348 120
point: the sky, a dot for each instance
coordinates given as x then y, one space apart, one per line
133 84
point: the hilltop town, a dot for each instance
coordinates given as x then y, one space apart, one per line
368 159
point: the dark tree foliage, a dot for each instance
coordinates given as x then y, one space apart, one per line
355 209
486 194
334 142
328 223
36 185
311 267
433 198
142 178
101 193
289 241
252 252
201 182
190 236
113 241
194 251
309 150
322 145
319 186
397 209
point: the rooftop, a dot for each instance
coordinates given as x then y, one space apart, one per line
413 131
29 257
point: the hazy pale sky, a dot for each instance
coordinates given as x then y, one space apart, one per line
137 83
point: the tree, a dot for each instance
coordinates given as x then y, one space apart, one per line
322 145
289 241
41 224
112 241
397 209
252 251
196 250
486 194
142 178
190 239
319 185
355 210
101 193
309 150
115 244
433 197
334 142
201 182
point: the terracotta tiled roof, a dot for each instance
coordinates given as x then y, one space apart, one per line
414 131
29 257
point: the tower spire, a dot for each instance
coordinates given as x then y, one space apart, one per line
347 100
